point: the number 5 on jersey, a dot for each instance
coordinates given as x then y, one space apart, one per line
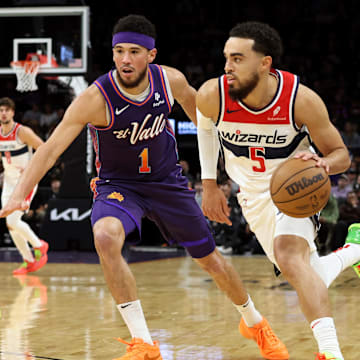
144 156
254 155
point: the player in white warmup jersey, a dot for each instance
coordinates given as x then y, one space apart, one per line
260 117
16 144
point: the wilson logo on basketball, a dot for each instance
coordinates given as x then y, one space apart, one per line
302 184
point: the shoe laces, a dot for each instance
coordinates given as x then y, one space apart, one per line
266 334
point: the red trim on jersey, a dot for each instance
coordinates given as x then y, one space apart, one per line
275 113
11 136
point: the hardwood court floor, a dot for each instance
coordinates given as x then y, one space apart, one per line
65 312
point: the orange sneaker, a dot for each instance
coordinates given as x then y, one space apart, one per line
137 349
271 347
24 268
41 257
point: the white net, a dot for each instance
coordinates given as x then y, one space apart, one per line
26 72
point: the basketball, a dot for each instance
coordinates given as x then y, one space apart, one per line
299 188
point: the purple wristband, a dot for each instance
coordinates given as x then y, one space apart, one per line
134 38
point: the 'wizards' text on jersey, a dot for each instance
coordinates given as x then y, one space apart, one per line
255 142
139 143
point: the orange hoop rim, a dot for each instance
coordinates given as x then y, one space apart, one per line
28 65
24 62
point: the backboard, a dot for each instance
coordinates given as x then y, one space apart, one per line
35 33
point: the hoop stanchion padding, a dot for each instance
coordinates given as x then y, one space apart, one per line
26 72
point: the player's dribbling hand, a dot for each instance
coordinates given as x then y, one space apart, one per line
320 162
12 206
214 206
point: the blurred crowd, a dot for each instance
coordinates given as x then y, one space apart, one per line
319 45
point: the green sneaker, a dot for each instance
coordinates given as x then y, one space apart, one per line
353 234
326 356
353 237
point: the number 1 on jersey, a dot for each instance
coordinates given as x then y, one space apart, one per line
144 156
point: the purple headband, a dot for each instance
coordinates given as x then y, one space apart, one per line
134 38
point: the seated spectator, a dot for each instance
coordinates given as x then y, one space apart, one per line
31 118
3 228
235 239
328 218
356 186
32 115
37 211
350 135
352 175
48 118
342 188
349 213
198 191
234 188
186 170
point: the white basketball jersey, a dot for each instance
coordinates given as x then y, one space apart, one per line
15 154
255 142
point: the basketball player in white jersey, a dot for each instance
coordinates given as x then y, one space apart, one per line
16 144
260 117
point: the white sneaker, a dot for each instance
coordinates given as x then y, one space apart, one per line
225 251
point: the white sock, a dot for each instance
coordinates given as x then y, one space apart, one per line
134 318
22 245
330 266
349 254
249 312
23 228
325 335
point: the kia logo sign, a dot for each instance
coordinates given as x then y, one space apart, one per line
70 214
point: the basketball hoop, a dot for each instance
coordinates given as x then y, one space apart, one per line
26 72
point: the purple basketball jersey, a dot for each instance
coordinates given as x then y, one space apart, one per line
139 143
136 159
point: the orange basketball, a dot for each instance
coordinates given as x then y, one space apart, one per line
299 188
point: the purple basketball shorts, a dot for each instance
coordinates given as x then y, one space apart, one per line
169 203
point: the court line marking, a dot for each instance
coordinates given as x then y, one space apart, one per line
34 356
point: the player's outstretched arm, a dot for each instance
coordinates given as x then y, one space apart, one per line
28 137
311 111
182 91
214 203
83 110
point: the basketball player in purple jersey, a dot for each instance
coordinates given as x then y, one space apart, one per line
264 116
126 110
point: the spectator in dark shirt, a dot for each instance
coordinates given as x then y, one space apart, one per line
328 218
349 213
237 238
